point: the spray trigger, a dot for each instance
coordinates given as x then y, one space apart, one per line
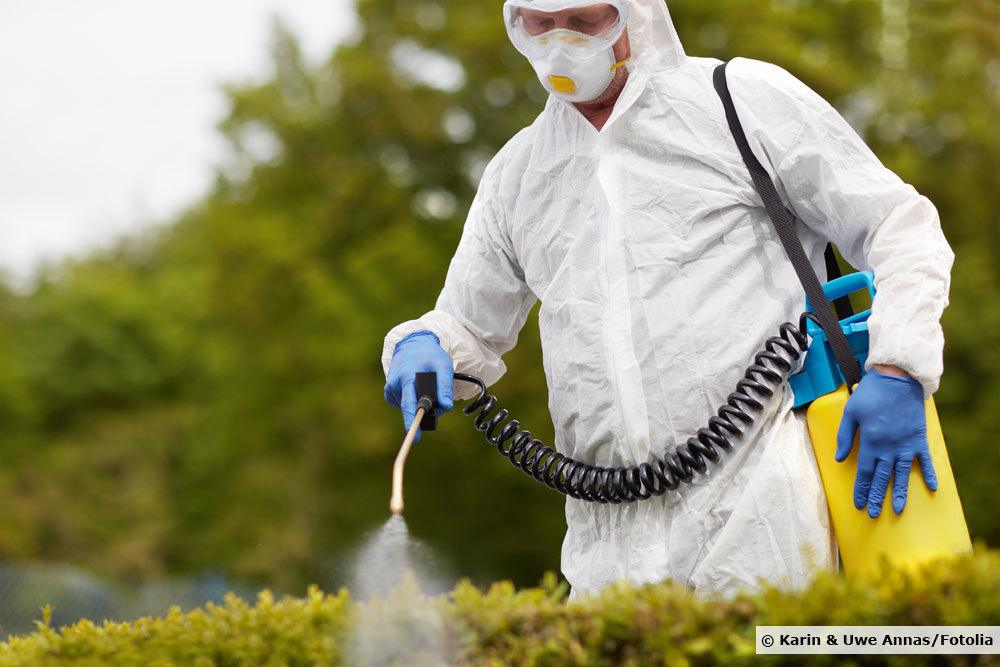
426 386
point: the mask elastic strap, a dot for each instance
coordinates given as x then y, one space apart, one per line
620 63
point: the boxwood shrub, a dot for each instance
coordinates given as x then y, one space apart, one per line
663 624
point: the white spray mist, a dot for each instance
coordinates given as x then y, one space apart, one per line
398 620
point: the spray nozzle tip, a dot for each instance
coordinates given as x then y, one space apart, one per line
396 505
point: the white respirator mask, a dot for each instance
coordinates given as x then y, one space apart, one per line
569 43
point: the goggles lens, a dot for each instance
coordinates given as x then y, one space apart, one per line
534 30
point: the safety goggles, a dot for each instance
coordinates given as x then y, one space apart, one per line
536 27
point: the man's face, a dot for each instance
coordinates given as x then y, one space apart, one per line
569 45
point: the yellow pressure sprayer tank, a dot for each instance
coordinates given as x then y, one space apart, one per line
932 524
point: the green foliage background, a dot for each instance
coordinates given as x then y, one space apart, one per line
208 396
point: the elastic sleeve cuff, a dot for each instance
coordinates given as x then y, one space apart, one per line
926 371
468 353
396 336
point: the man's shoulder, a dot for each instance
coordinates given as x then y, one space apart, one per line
506 169
516 151
758 79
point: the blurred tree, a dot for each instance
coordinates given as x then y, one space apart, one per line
208 396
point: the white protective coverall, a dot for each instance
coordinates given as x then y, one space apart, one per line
660 275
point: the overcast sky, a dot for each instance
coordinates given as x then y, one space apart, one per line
108 109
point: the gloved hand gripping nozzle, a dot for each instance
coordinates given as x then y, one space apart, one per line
425 420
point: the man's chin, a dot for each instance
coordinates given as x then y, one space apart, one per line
610 93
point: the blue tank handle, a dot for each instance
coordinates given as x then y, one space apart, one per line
820 374
842 286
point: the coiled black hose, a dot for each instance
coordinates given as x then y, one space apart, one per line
628 484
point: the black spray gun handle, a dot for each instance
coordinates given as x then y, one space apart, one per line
427 391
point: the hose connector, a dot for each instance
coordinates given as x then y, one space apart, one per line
427 390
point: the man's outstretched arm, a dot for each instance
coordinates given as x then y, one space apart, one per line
477 318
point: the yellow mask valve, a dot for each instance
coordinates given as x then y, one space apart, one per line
562 84
620 63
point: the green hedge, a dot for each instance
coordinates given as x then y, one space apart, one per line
650 625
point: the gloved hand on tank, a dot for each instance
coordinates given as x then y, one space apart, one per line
417 353
889 411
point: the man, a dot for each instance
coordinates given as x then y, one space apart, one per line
625 208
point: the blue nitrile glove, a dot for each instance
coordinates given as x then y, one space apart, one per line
889 410
418 353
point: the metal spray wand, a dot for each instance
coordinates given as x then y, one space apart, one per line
424 419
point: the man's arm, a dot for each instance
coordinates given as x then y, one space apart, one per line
484 304
838 187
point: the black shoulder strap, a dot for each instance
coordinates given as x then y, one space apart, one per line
843 304
784 223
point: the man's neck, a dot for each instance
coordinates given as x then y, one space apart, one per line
599 111
597 115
